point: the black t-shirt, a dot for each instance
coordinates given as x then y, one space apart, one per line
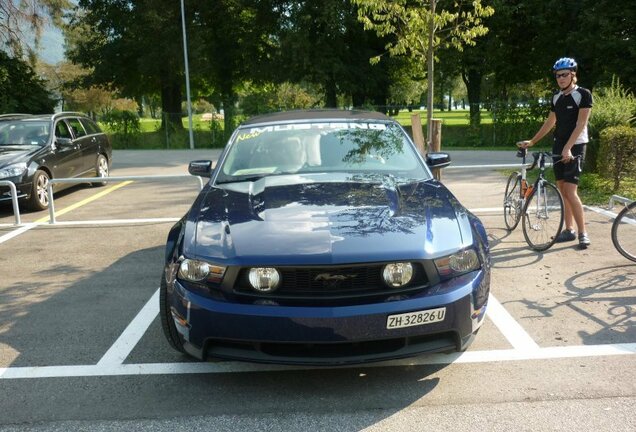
566 108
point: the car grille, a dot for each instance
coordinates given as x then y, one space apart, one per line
331 282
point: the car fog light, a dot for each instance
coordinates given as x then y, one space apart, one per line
397 274
264 279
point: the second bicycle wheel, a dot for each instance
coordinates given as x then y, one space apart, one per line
624 232
512 201
543 216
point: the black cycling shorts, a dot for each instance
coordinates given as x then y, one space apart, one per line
569 171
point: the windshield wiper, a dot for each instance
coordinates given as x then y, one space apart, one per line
243 179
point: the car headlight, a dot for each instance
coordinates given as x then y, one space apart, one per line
264 279
198 271
398 274
458 263
13 170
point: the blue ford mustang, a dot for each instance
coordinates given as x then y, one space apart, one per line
322 238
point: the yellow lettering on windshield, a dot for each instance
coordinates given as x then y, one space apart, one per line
247 136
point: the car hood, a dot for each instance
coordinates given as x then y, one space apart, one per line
12 155
308 220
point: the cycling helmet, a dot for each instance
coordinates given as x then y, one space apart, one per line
565 63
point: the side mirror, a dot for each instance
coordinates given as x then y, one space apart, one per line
200 168
63 142
438 160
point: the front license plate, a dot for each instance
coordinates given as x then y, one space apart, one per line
416 318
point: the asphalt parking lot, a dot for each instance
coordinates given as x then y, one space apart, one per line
81 346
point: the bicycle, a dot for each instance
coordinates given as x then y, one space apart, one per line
624 232
540 204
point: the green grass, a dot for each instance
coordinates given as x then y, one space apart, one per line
596 190
449 118
153 125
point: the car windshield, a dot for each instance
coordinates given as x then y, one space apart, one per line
20 132
300 148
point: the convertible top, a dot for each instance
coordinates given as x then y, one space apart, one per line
322 114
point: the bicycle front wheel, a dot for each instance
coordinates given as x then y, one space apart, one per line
624 232
543 216
512 201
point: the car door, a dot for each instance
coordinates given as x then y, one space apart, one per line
66 153
84 142
93 143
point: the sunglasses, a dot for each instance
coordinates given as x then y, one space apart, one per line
562 75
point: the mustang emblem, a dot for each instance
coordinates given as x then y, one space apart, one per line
333 277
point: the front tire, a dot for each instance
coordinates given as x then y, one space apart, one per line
543 216
512 201
624 232
167 322
39 199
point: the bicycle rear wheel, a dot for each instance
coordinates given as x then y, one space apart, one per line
512 201
543 216
624 232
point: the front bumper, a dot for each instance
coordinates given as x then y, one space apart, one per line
23 190
327 335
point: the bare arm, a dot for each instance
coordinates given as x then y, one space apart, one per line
548 124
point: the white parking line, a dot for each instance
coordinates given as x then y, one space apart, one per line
17 232
486 210
238 367
604 212
510 328
133 333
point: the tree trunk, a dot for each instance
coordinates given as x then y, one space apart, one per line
357 99
331 96
171 103
228 99
472 80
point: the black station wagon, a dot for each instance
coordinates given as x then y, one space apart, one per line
37 148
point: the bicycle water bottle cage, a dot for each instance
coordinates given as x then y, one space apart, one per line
522 152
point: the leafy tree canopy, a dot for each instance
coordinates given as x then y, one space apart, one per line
16 16
20 88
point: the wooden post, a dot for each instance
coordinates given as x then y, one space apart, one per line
436 142
418 135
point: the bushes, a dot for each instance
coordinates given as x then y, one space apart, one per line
617 154
613 106
514 121
124 126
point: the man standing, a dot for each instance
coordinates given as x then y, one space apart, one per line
571 107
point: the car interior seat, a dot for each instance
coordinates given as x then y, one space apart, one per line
289 154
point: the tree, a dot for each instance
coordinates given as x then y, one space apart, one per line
134 46
21 90
232 43
17 15
420 26
323 42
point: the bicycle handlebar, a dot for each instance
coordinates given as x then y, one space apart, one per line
522 152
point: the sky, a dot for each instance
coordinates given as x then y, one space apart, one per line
52 45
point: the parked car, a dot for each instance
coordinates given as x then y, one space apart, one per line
322 238
37 148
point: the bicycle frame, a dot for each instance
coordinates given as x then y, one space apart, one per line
535 204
